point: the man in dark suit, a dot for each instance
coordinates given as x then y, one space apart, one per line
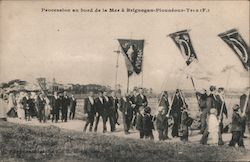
108 111
55 104
176 110
133 98
40 104
165 104
65 104
26 106
127 112
114 112
141 99
100 110
72 107
89 109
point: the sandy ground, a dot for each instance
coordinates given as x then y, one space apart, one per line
77 125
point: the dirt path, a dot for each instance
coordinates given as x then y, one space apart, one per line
77 125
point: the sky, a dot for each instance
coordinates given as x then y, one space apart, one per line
79 47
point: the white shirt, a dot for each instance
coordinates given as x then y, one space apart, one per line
101 99
107 99
91 100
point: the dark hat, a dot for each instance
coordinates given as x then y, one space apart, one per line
212 88
236 107
147 109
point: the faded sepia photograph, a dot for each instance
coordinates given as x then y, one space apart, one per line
117 81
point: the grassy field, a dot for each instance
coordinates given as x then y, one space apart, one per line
40 143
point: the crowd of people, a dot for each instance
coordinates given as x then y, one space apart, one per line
135 113
27 105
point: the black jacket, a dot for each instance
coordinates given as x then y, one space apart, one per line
126 107
65 102
148 124
89 108
113 103
141 101
99 106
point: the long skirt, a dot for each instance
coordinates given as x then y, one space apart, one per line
20 113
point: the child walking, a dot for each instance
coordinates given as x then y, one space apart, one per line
184 126
148 124
213 127
236 128
139 122
162 123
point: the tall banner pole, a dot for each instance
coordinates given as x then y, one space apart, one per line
224 98
128 85
117 66
247 97
142 78
192 80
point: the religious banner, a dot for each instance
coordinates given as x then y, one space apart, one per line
183 42
238 45
133 52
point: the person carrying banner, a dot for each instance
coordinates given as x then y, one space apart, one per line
165 104
210 103
133 98
220 105
202 98
177 105
89 110
127 112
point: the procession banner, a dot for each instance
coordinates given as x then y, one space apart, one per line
133 52
183 42
238 45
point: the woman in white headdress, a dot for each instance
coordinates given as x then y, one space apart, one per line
213 127
20 110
